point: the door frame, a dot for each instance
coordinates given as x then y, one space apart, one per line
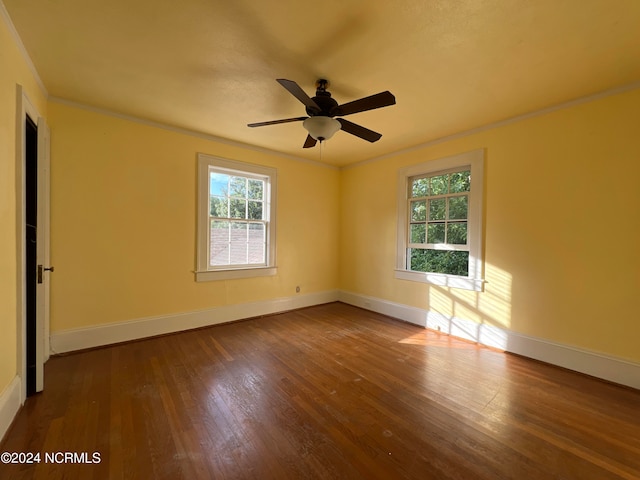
24 108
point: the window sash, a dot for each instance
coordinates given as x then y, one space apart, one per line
472 161
229 242
445 222
206 268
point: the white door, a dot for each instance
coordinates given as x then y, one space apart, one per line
43 257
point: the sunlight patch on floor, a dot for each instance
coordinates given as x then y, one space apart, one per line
433 339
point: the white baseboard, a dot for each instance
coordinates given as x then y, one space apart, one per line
10 402
606 367
99 335
413 315
596 364
592 363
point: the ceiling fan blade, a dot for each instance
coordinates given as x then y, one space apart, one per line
294 89
309 142
359 131
274 122
379 100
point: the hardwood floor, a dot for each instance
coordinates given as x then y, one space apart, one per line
328 392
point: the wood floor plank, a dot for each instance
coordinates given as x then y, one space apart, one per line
328 392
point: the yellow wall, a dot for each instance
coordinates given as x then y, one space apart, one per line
124 221
561 223
13 71
562 227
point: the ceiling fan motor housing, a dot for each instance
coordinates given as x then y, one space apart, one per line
323 99
327 105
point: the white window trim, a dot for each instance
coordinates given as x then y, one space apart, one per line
475 161
203 272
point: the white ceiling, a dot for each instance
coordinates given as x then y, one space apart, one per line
210 65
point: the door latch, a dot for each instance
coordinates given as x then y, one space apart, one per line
41 270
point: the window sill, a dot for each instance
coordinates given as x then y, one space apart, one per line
212 275
442 280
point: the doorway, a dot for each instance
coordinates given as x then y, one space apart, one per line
33 260
31 249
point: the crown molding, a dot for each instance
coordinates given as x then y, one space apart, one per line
436 141
501 123
185 131
21 48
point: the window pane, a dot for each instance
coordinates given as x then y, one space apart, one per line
218 207
238 208
437 209
457 233
256 243
239 223
219 243
419 211
439 261
435 233
460 182
238 240
440 184
256 190
458 208
420 187
255 210
418 233
238 187
218 184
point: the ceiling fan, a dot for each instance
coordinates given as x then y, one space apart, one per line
322 108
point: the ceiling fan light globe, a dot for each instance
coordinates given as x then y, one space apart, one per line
320 127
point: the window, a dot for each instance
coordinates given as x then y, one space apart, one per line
440 221
236 219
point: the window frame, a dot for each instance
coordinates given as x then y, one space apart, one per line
473 160
204 271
